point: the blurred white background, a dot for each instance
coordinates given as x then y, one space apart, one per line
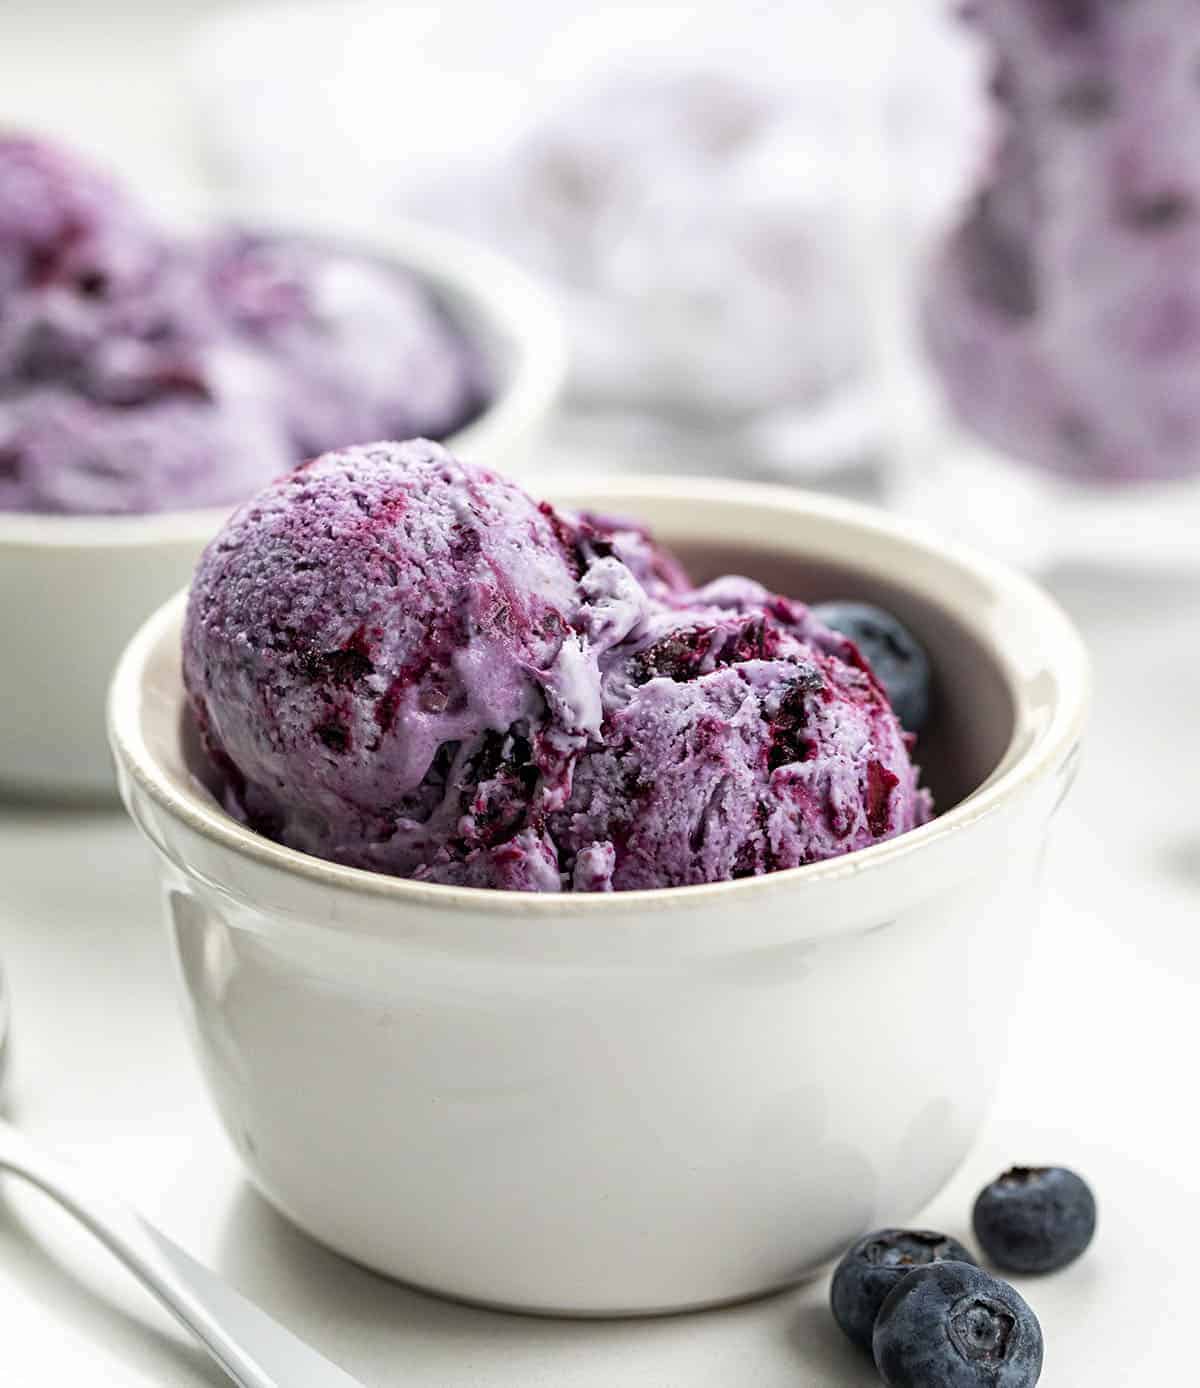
708 188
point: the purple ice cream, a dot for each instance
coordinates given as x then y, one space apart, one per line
401 662
95 300
363 351
62 223
141 372
1064 311
62 452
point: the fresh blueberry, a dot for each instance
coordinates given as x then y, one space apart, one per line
893 653
952 1326
874 1266
1035 1218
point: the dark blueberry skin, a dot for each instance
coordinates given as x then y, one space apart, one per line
952 1326
1035 1218
870 1270
893 653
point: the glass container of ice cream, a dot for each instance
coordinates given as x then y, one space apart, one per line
1044 328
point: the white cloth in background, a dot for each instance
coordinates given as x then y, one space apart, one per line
706 186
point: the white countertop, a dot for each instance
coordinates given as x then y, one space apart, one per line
1101 1073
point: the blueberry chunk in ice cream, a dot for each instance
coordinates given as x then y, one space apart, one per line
1063 313
402 662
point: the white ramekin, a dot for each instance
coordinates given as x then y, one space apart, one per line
653 1100
77 587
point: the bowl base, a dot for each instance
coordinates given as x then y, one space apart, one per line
540 1310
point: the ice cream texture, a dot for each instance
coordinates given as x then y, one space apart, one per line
1064 309
143 371
401 662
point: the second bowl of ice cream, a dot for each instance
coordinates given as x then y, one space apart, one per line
150 379
607 987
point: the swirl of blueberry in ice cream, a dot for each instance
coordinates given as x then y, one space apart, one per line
401 662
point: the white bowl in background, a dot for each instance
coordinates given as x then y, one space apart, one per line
643 1101
77 587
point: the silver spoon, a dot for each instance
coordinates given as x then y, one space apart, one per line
254 1350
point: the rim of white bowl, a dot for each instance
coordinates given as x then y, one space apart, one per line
512 304
1047 751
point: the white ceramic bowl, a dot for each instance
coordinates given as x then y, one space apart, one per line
77 587
644 1101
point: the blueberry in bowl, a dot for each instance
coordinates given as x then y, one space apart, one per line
893 653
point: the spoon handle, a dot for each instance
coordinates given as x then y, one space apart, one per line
254 1350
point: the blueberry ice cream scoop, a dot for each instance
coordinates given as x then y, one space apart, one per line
1063 313
63 453
65 224
362 349
402 662
141 371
